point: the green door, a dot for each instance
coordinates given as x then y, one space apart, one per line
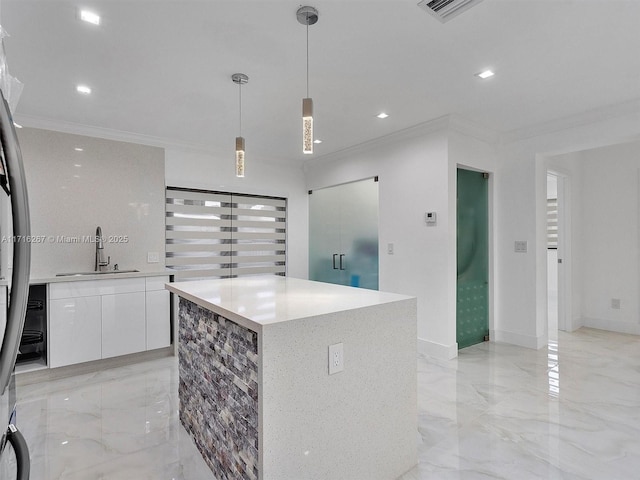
472 312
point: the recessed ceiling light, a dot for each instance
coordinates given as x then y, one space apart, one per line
78 149
77 165
485 74
90 17
317 140
17 125
83 89
382 115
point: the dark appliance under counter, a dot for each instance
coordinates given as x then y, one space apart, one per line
33 343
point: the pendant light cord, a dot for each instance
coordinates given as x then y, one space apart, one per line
307 55
240 105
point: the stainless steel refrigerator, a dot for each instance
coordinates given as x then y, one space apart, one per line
12 181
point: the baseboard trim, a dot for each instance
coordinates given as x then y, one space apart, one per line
575 324
437 350
611 325
527 341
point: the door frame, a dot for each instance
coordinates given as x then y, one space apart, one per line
563 179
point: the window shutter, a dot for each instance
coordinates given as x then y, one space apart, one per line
224 235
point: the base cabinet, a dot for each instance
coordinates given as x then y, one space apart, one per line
158 323
123 324
96 319
75 330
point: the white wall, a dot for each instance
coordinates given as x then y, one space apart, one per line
116 185
605 235
416 170
515 320
610 237
194 169
521 212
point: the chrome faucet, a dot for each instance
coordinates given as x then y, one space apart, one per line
100 251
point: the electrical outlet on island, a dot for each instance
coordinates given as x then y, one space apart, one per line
336 358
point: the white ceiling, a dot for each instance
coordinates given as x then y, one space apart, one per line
163 68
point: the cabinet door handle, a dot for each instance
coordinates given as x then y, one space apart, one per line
341 265
334 261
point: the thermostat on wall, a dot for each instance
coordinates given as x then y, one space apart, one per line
431 219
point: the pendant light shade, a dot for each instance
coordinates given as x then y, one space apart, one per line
239 157
307 16
307 125
240 79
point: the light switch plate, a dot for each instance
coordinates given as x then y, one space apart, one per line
520 246
431 219
336 358
153 257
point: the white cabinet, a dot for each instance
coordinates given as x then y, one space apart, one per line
157 313
158 323
74 330
94 319
123 324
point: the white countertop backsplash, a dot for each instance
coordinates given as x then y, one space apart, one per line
77 183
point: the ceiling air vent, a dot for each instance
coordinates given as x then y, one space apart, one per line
445 10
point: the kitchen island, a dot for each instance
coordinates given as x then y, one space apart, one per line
255 390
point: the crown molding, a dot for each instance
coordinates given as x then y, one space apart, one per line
472 129
416 131
105 133
445 123
565 123
31 121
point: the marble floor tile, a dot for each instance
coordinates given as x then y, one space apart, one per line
568 411
116 424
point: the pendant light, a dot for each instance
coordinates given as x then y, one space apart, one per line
307 16
240 79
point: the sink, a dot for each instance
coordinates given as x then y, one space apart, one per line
80 274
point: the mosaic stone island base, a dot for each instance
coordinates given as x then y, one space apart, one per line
218 390
255 391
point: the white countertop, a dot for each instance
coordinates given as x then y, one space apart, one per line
99 276
258 301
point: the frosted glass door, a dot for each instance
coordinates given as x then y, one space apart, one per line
472 318
324 235
359 234
343 234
